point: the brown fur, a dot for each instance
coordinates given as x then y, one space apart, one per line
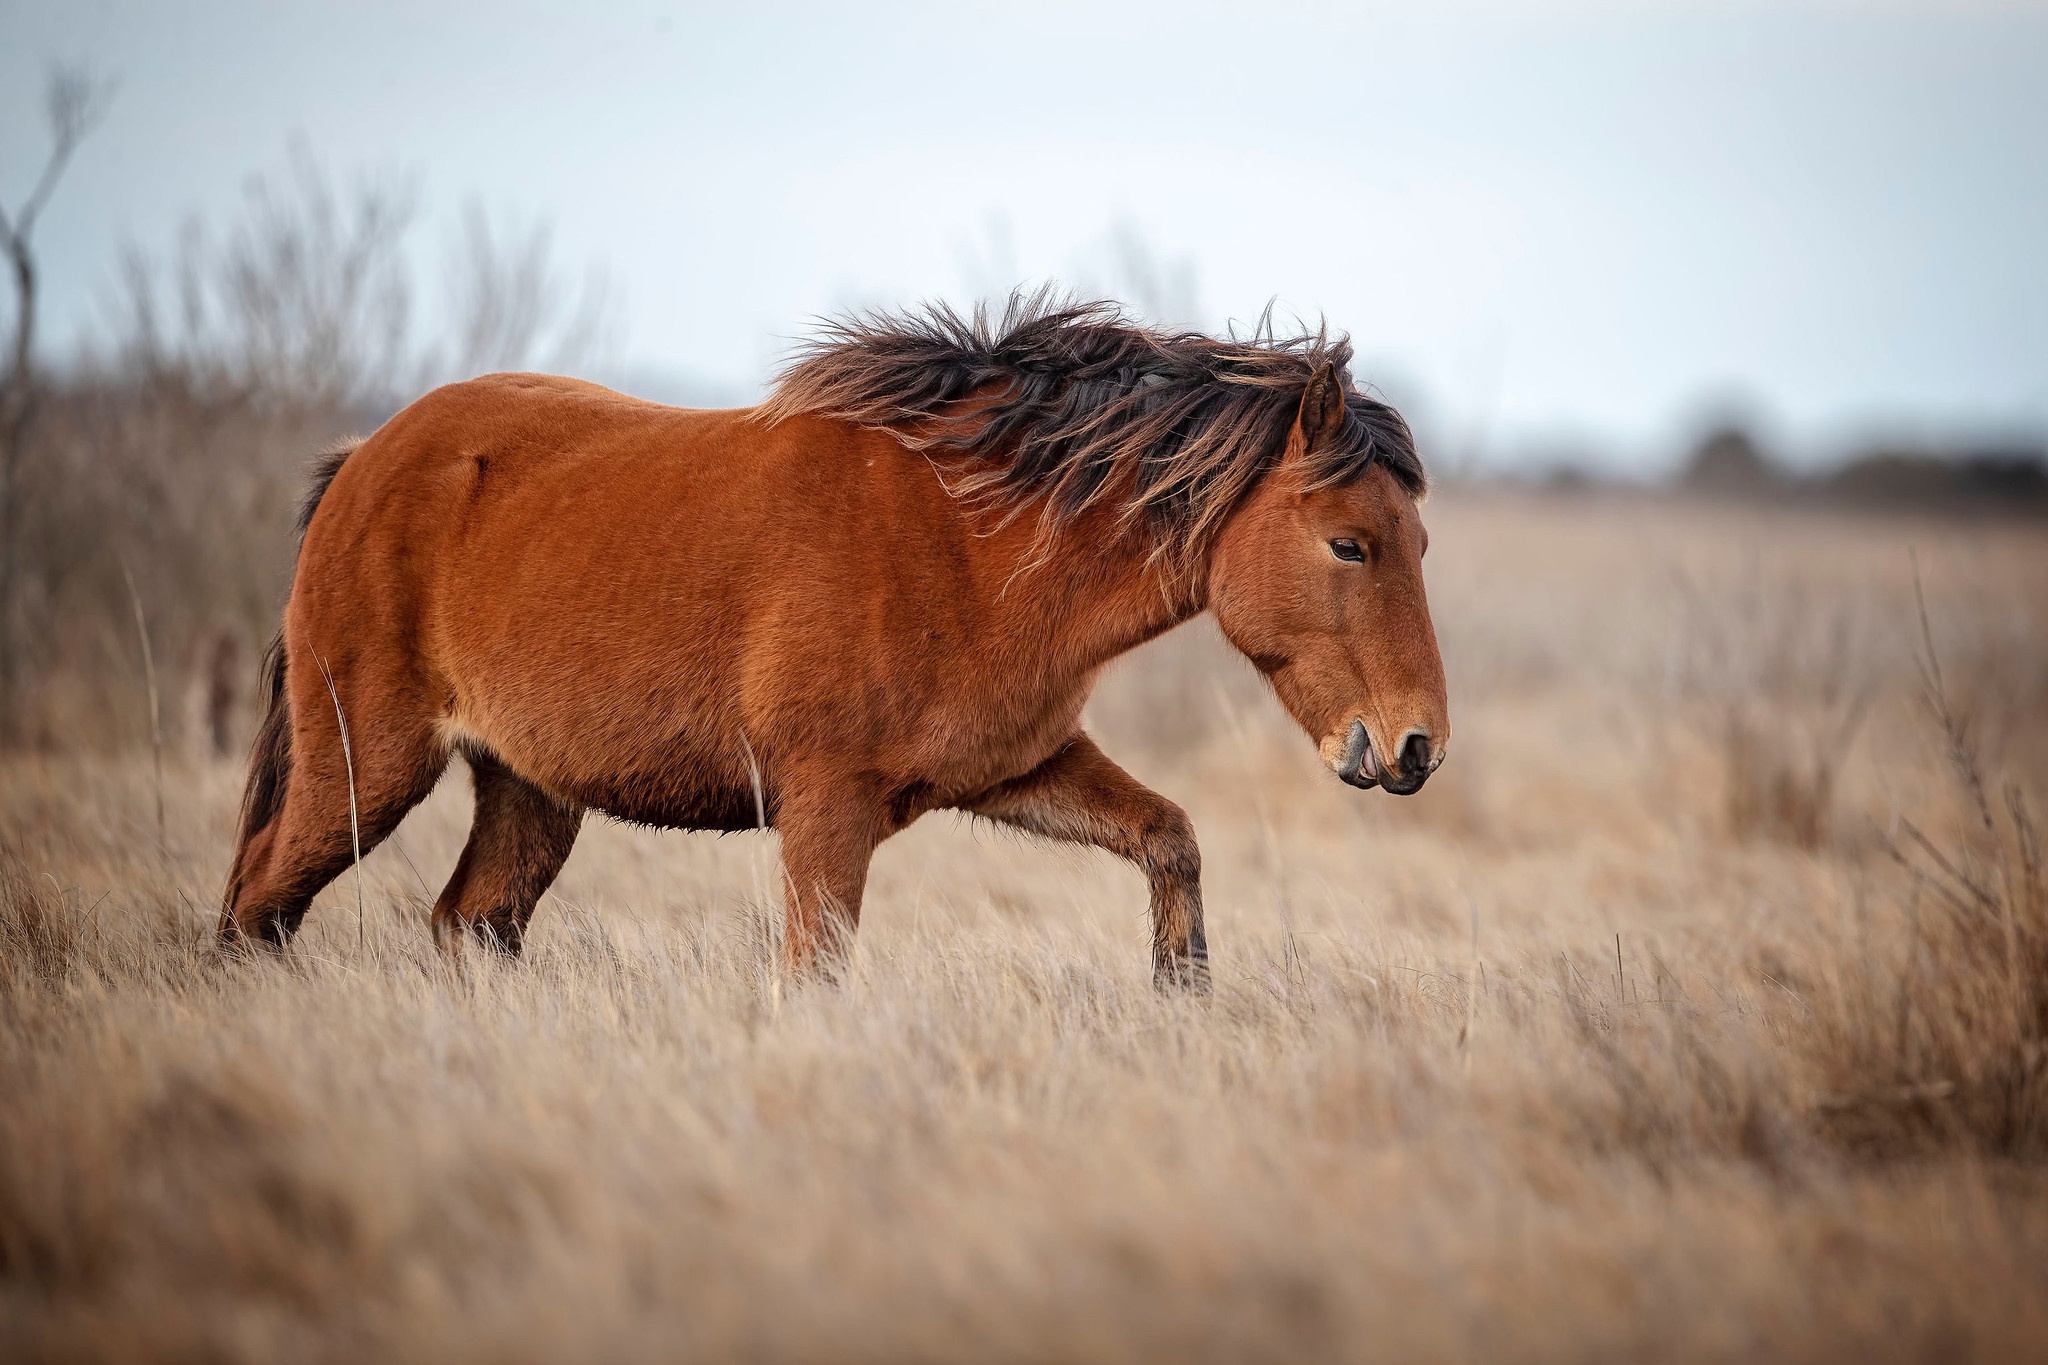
608 604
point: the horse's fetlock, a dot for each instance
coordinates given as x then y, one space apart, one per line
1185 972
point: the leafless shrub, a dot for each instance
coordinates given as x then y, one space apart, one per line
304 301
1943 1033
178 443
1790 677
513 307
74 102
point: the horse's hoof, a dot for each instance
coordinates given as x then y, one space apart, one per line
1182 975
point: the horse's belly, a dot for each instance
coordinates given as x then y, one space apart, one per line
719 809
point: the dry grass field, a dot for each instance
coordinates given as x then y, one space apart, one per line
1697 1010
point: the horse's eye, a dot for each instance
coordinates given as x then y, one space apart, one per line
1348 551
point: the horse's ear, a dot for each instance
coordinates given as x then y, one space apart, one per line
1322 408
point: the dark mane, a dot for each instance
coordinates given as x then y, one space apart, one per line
1086 400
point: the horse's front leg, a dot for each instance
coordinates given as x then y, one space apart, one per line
829 833
1080 796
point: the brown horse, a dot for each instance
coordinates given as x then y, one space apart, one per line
886 591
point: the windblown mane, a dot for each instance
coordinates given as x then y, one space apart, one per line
1079 400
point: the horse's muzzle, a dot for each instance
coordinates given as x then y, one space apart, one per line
1359 766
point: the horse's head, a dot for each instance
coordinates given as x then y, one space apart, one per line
1320 584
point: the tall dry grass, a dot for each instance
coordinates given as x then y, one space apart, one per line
1569 1056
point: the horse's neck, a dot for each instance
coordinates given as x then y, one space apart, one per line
1093 592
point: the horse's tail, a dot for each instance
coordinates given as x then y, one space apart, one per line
270 758
325 466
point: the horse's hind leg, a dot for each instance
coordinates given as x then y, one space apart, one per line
286 855
519 840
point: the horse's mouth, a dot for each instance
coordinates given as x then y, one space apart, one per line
1352 758
1355 763
1405 786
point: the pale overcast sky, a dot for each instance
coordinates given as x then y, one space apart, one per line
1553 224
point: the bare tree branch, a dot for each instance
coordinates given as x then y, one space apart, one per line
74 103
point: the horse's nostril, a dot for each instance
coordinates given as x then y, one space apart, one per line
1415 753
